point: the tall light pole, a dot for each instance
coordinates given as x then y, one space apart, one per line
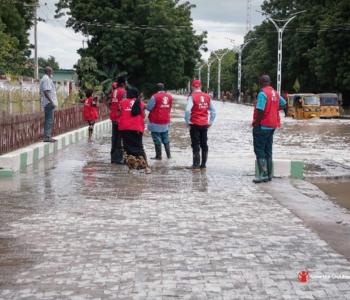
36 19
199 72
239 51
279 51
208 74
219 70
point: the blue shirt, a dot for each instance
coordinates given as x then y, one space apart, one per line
261 103
152 126
189 110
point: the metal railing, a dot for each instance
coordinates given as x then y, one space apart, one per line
19 131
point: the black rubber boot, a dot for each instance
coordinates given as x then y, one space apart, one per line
120 157
167 150
158 149
262 166
204 160
269 163
196 161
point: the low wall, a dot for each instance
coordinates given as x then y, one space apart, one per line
16 160
19 131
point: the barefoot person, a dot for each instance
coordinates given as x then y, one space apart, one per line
90 111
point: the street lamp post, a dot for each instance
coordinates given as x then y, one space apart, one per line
208 75
199 72
279 51
219 70
239 51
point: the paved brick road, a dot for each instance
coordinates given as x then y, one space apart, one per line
75 227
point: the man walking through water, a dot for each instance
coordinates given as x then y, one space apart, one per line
199 105
266 119
159 120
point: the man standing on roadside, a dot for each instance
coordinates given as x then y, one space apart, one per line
116 96
196 118
159 120
266 119
48 102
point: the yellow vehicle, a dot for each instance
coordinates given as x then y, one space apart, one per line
290 103
306 106
329 106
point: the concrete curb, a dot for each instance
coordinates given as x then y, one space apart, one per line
19 159
285 168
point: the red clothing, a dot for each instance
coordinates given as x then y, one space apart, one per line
126 120
199 112
90 111
116 96
271 117
160 114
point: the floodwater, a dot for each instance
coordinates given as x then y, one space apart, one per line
323 145
338 190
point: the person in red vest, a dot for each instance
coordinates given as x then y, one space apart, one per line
131 129
90 111
266 119
159 120
115 97
228 95
199 105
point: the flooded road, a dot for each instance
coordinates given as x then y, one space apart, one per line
73 226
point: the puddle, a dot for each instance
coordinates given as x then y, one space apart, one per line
338 190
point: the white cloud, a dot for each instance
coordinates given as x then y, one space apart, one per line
221 18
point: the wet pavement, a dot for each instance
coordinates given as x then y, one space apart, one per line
73 226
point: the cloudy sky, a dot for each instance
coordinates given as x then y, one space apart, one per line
223 19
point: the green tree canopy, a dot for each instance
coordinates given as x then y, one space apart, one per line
11 59
153 41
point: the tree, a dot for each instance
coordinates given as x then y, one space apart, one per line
18 20
43 62
110 75
11 59
85 69
151 40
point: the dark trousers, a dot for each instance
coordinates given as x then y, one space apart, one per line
263 140
116 143
199 138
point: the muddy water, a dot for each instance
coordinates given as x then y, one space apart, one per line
337 190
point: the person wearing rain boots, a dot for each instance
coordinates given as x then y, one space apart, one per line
159 107
266 119
199 106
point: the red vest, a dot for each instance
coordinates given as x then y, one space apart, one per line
199 112
116 95
271 117
90 113
126 120
160 114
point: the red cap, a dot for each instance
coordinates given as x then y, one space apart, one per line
115 85
196 83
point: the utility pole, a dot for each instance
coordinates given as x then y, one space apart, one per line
36 19
219 70
279 51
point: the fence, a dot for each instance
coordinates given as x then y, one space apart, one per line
21 95
19 131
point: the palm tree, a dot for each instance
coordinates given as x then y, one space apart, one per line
111 75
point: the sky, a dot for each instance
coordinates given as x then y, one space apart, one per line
225 20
